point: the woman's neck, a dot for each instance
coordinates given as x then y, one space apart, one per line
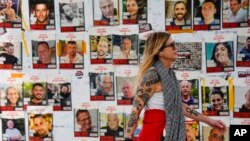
167 63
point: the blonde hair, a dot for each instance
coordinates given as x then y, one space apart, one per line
153 46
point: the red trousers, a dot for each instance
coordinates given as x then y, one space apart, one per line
153 125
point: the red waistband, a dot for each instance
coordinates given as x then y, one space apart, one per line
154 115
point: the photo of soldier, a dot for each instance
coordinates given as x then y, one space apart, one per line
35 94
178 14
208 15
236 15
42 14
13 129
216 101
135 11
241 102
125 90
112 125
11 14
189 56
101 49
243 51
102 86
86 123
190 92
125 49
219 56
106 12
44 54
10 55
40 126
72 16
71 54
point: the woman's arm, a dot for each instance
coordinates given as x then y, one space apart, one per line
145 90
191 113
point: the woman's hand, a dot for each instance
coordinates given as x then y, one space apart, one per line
224 60
218 124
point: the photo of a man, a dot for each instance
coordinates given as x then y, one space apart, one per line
42 15
178 14
44 54
101 49
106 12
39 96
71 53
71 14
86 122
40 126
180 11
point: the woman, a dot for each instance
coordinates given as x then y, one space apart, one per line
159 93
217 100
136 10
222 54
12 95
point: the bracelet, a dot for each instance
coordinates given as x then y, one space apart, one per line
128 139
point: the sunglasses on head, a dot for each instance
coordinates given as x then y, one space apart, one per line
172 44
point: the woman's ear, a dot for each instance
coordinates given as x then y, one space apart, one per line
160 54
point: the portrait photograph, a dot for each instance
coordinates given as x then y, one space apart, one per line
35 94
235 13
178 14
210 134
44 54
71 54
106 12
86 122
125 49
13 128
125 90
40 126
72 16
11 97
112 125
189 56
219 56
101 49
42 14
102 86
11 55
10 14
207 15
243 51
215 101
190 92
192 130
134 11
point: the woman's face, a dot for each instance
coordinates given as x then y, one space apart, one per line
132 7
220 50
12 96
217 102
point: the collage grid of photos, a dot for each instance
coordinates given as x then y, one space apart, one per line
58 38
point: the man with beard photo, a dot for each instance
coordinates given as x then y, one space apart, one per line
103 50
65 95
68 17
180 11
38 95
246 50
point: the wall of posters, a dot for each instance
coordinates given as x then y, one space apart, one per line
72 65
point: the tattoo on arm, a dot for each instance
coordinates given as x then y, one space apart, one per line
133 119
144 91
192 111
